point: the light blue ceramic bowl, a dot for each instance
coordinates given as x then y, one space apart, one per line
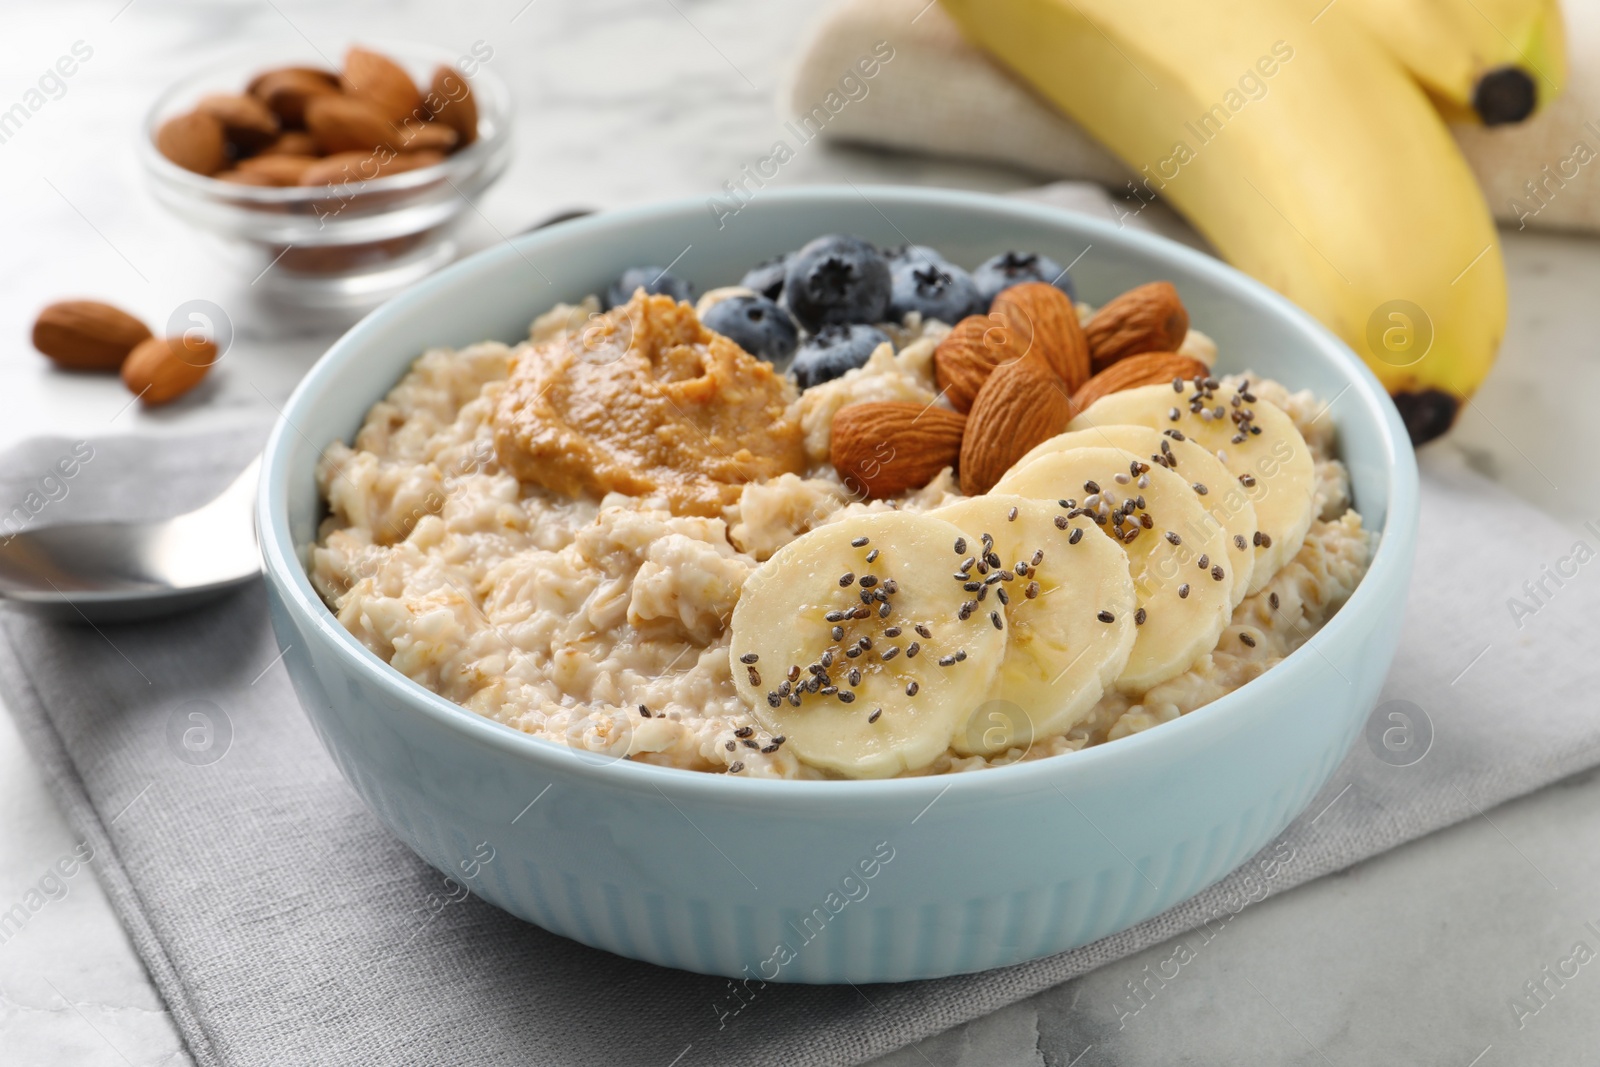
835 881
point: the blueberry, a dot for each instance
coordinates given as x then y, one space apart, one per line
939 290
913 254
834 350
1014 268
837 279
756 325
766 277
653 280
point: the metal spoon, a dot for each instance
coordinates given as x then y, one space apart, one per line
119 571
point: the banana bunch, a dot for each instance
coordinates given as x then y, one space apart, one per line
1312 159
1488 61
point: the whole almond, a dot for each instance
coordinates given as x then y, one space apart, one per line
193 141
293 143
246 177
383 83
969 353
413 161
277 169
162 369
87 335
1047 321
1150 318
1021 405
343 167
286 92
1147 368
245 120
451 101
345 124
883 448
427 136
327 77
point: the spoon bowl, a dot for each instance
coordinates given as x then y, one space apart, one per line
119 571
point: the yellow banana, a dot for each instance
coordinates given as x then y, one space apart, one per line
1306 155
1489 61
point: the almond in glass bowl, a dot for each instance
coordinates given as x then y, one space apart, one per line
331 189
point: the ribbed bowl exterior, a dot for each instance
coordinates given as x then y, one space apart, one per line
837 881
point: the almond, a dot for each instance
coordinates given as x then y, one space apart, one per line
1047 321
345 124
413 161
383 83
255 86
968 354
245 120
161 369
344 167
883 448
1147 368
293 143
427 136
1150 318
1021 405
194 142
277 169
247 177
286 92
451 101
87 335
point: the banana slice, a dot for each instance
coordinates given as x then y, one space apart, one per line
1273 465
1218 491
1176 555
853 643
1069 605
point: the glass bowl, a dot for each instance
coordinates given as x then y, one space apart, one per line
337 247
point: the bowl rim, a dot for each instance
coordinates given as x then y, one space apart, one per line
477 154
1390 561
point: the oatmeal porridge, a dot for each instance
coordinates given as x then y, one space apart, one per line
633 534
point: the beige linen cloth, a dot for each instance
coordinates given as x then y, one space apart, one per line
940 95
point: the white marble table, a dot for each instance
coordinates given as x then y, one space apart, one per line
1408 958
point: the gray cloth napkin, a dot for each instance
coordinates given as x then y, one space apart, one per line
284 925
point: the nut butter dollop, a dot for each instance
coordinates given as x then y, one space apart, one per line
645 401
